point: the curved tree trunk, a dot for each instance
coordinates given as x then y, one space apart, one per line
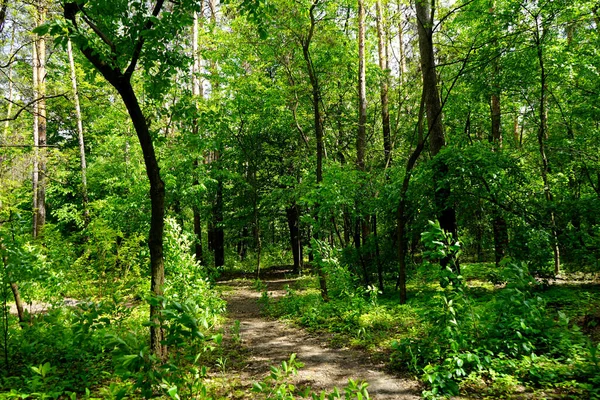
121 81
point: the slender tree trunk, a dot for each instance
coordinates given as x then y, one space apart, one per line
218 233
377 255
293 218
318 122
84 193
361 138
39 167
256 218
401 211
402 70
499 226
383 65
157 200
196 93
198 234
35 178
18 302
445 211
362 99
15 290
121 81
10 88
542 137
42 130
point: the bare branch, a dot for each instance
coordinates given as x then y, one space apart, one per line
24 107
12 57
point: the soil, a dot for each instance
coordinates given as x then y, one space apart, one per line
269 342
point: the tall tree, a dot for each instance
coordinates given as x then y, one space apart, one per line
445 211
384 84
197 93
112 69
39 134
305 42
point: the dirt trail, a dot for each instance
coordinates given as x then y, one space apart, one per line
270 342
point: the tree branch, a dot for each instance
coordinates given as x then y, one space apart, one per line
111 73
98 32
140 43
23 108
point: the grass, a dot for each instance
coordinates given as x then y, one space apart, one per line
563 362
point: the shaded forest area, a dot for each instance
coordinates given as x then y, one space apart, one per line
427 173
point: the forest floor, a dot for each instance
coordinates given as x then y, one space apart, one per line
267 342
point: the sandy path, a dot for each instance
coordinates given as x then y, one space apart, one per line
270 342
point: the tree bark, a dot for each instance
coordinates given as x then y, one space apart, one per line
402 70
121 81
362 99
218 233
157 200
499 226
445 211
542 137
401 211
318 122
10 89
196 93
84 193
293 218
39 169
384 84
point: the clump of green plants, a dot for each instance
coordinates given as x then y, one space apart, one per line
277 386
510 339
100 346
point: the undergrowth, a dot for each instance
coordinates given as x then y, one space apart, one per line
476 337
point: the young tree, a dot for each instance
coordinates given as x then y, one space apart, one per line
94 29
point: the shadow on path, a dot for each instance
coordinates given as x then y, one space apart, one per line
270 342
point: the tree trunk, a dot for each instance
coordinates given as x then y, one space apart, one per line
383 65
10 88
316 97
445 211
218 233
496 138
198 234
18 302
256 219
293 218
542 137
121 81
196 92
84 194
401 211
402 70
499 226
39 169
15 290
377 255
362 99
157 200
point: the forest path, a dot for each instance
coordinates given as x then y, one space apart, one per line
269 342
